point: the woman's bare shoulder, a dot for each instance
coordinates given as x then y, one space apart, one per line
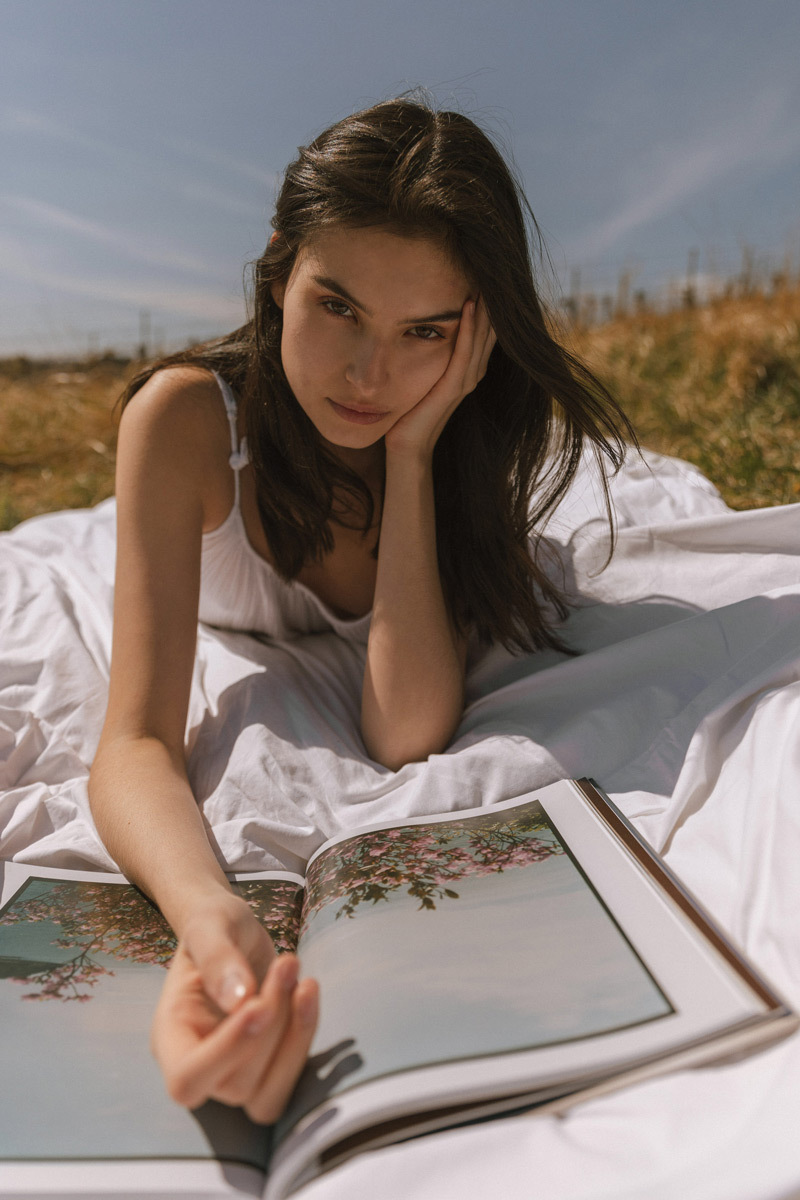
177 394
178 417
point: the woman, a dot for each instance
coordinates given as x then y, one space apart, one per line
382 438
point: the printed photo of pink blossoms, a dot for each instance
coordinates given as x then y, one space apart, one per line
427 861
462 938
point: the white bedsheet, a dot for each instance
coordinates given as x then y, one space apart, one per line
684 704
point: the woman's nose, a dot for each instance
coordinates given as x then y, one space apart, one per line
368 370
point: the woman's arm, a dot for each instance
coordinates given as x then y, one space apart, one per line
140 795
171 483
414 679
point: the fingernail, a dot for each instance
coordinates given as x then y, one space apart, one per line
232 991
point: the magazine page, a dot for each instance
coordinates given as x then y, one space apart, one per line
509 950
82 960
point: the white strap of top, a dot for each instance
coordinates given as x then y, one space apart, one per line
240 455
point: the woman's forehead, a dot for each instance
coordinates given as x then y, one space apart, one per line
378 259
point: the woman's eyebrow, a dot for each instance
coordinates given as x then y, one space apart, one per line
451 314
331 285
325 281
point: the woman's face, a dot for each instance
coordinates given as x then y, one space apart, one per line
370 319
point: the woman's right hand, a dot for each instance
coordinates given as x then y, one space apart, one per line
229 946
233 1023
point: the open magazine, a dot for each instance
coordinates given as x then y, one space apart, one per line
471 964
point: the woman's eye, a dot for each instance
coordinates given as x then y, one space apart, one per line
338 308
426 333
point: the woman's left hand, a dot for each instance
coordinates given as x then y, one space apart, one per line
417 432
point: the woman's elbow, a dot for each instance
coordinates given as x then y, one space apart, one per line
394 749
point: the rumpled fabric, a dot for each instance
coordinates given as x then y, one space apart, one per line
682 701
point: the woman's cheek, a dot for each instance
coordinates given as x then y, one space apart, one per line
306 352
429 373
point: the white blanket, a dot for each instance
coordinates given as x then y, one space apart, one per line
684 704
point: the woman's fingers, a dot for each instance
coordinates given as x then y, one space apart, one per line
266 1023
230 1062
483 342
184 1016
231 950
232 1023
418 430
226 973
269 1094
474 344
464 349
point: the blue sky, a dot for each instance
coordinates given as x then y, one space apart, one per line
142 139
524 959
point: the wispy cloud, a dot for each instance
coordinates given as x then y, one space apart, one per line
172 176
198 152
760 133
128 243
205 304
24 120
215 197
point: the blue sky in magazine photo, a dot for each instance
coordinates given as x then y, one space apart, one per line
512 960
142 141
81 1079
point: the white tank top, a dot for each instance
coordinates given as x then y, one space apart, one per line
240 590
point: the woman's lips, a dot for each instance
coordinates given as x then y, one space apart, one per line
358 416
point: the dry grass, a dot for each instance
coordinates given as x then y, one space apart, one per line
718 385
57 435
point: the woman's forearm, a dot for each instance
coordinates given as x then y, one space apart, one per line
148 818
414 679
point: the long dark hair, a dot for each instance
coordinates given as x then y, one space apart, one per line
509 451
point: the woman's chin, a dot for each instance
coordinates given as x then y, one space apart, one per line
362 450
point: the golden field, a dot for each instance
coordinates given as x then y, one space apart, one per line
718 385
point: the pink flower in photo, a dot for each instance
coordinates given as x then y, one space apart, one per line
425 861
